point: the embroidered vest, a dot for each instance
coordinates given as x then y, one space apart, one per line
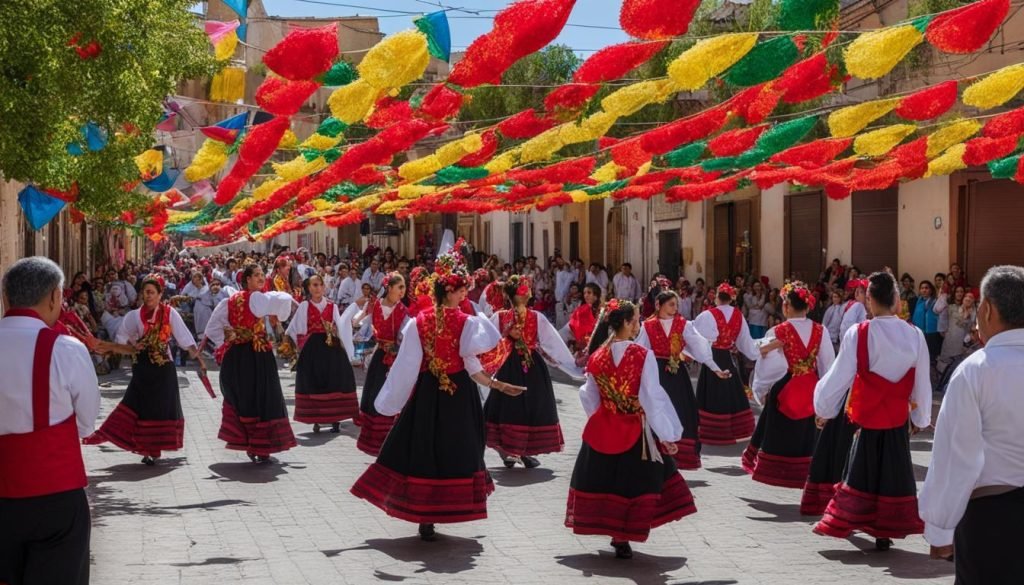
582 324
441 345
877 403
666 346
796 400
386 330
248 327
728 331
618 423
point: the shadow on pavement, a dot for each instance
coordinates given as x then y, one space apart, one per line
246 472
311 439
213 561
723 450
779 512
643 569
730 470
897 562
449 555
104 504
133 472
208 505
516 477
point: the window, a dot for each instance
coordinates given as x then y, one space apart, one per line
574 240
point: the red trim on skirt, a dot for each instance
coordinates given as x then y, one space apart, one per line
423 500
325 408
255 437
687 457
373 429
725 429
878 516
520 440
145 437
628 518
776 470
816 497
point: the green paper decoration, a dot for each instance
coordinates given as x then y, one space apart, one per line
1004 168
310 154
781 136
764 62
724 163
452 175
685 156
606 187
332 154
807 14
341 73
344 189
331 127
921 22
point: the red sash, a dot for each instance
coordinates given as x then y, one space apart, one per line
728 332
615 427
796 400
877 403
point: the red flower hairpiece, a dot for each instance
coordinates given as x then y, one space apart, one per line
156 278
728 289
801 291
612 305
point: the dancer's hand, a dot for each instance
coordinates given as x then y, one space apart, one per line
820 422
669 447
508 389
770 347
942 553
724 374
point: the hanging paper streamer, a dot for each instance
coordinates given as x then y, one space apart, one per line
928 103
881 141
93 137
228 85
210 159
150 164
875 53
439 37
396 61
995 89
282 97
304 53
950 161
967 29
168 122
227 131
852 119
657 19
38 207
813 154
605 65
164 181
223 38
808 14
709 57
951 134
764 62
1010 123
259 144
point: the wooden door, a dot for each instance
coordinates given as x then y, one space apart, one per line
805 236
876 230
995 212
670 253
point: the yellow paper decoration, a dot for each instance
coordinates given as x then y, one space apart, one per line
995 89
150 164
591 128
320 142
212 157
503 162
951 161
541 147
951 134
322 205
851 120
579 196
289 141
644 169
228 85
708 58
175 217
419 168
881 141
874 54
351 103
607 173
397 60
363 202
299 167
414 191
631 98
390 207
225 48
267 188
242 205
453 152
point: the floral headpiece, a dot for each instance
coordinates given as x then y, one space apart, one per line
664 282
801 291
494 293
852 285
481 274
450 271
726 289
522 285
156 279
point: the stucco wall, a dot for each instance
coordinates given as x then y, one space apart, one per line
924 250
840 230
773 210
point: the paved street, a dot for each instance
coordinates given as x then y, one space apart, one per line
207 516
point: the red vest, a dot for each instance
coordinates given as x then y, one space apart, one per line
797 398
47 460
582 324
849 305
877 403
615 427
318 321
506 318
665 346
728 331
386 330
444 342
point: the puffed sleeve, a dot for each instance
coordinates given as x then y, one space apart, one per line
403 373
745 343
590 396
642 339
343 323
555 348
826 354
180 331
72 368
298 324
851 318
706 326
661 414
831 388
767 371
698 347
479 336
131 328
274 303
921 396
218 321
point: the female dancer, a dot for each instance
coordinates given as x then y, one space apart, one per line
148 420
724 408
431 466
668 336
388 316
584 319
325 385
521 427
254 418
621 486
780 451
886 361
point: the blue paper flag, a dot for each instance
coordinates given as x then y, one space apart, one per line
439 36
164 181
94 138
39 208
241 8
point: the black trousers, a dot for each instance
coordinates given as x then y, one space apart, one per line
45 540
987 545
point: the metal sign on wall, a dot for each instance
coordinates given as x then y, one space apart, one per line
665 211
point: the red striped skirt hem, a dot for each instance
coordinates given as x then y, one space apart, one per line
425 500
725 429
149 438
629 519
816 497
520 440
878 516
255 437
325 408
776 470
373 429
688 457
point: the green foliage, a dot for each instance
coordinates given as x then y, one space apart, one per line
47 92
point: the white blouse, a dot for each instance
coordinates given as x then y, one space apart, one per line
697 347
658 409
132 329
262 304
833 321
856 315
551 344
708 328
342 323
478 336
773 367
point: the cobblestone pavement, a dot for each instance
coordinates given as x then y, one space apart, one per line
206 515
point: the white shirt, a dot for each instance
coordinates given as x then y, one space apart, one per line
342 324
347 290
262 304
696 346
658 409
550 343
600 279
478 336
894 347
773 367
686 307
978 440
832 321
132 328
73 386
563 281
374 279
754 306
626 287
855 315
708 328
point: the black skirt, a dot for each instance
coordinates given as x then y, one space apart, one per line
431 467
526 424
879 494
987 543
624 496
325 385
373 427
680 391
148 420
780 451
254 418
828 465
724 408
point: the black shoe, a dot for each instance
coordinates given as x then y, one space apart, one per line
622 550
427 533
149 461
253 458
530 462
509 462
336 427
316 428
883 544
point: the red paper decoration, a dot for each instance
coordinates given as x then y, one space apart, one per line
304 53
984 149
282 97
928 103
734 142
675 134
701 191
570 97
813 154
755 103
967 29
570 171
387 112
657 19
1010 123
368 175
808 79
630 154
525 125
641 191
616 61
441 103
259 144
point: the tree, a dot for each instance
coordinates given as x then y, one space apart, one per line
106 62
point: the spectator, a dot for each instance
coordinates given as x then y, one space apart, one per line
908 297
961 319
753 308
834 317
625 285
373 275
926 318
598 276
